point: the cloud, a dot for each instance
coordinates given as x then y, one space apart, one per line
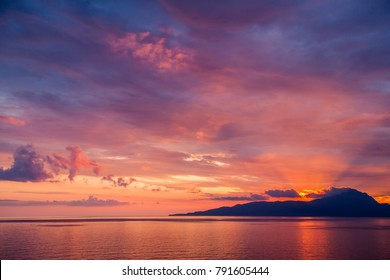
28 165
283 193
119 181
91 201
208 159
251 197
327 192
78 159
149 49
73 163
11 120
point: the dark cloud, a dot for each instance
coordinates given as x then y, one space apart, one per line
91 201
376 152
28 165
350 39
20 5
229 131
227 14
51 102
118 181
320 38
328 192
251 197
377 148
283 193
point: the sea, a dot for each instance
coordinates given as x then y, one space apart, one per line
198 238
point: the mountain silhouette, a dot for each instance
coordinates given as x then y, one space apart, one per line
343 203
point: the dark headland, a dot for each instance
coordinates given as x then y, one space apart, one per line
348 203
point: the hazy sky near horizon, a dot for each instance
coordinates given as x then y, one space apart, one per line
157 107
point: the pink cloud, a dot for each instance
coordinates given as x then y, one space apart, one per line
150 49
365 120
12 120
76 160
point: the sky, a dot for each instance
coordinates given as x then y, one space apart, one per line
146 108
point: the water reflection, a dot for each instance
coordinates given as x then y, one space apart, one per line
197 238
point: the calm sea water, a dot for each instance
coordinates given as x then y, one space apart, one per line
196 238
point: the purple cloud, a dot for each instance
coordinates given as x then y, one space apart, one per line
118 181
28 165
283 193
229 14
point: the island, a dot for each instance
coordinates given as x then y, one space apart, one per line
347 203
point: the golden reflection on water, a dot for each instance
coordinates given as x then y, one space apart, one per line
197 238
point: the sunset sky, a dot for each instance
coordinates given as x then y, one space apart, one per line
131 108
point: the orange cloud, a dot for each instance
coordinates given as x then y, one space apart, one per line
150 49
383 199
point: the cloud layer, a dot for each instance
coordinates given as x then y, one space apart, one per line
248 95
91 201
